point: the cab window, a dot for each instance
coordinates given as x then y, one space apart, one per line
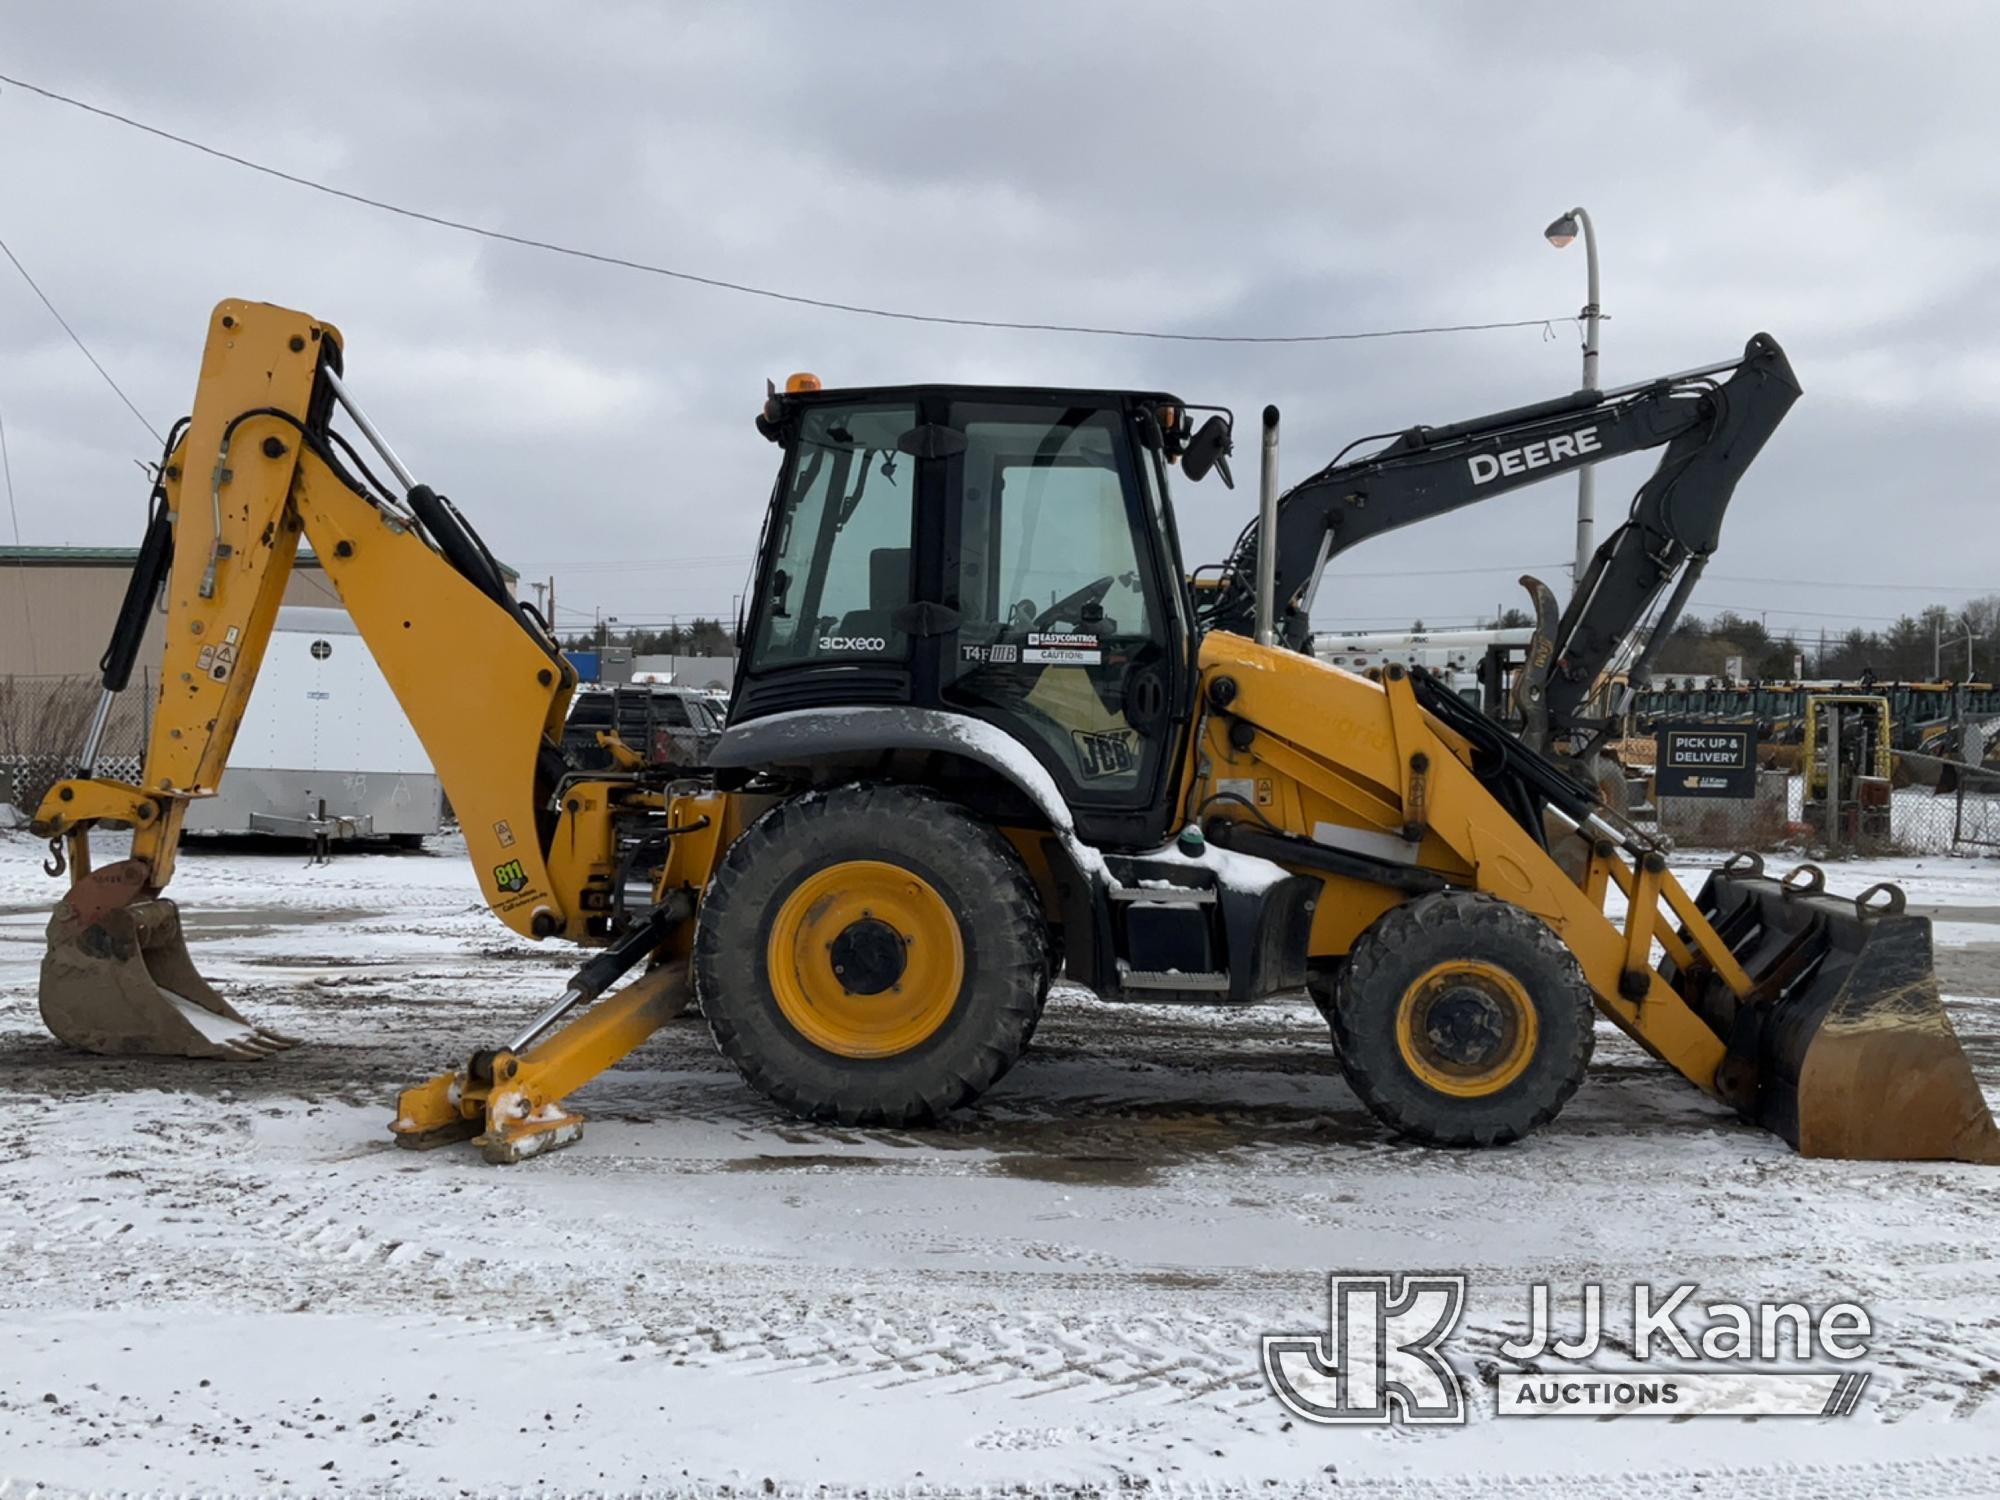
1060 632
839 565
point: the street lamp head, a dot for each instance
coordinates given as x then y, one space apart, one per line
1562 231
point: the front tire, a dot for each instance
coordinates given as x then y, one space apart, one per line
1463 1021
873 955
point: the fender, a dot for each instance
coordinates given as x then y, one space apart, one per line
803 735
808 734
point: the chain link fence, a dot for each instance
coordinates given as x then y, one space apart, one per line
1899 814
42 724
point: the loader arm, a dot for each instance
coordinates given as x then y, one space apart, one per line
1711 429
1816 1016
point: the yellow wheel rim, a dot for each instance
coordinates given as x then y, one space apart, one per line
865 959
1466 1028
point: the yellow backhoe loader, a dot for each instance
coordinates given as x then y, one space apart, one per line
982 735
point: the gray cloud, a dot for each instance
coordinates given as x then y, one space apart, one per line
1271 168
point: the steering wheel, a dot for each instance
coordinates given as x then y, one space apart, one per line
1071 606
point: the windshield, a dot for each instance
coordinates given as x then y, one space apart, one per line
839 568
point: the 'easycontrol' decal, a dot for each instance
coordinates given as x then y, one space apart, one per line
1064 648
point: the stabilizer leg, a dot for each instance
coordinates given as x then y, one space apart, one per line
512 1105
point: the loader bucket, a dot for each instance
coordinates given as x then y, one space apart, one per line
117 979
1844 1048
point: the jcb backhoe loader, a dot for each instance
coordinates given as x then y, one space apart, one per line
980 736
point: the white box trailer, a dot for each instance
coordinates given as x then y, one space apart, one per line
325 750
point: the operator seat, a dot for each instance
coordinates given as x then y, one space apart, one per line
888 591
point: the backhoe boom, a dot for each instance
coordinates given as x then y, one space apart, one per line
1712 430
255 470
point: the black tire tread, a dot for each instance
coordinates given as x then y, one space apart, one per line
1010 923
1438 923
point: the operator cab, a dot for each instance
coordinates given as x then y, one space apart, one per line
1006 553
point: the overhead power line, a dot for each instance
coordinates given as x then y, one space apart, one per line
27 612
652 565
1855 583
78 341
1369 574
718 283
7 467
1754 611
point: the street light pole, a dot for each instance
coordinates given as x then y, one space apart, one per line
1559 234
1937 646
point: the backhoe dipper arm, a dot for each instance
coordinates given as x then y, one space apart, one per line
477 675
1674 524
1711 429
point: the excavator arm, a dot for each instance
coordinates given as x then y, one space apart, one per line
1711 421
254 470
257 469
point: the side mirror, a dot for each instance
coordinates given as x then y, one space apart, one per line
1209 448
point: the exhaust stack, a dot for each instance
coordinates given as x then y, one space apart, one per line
1267 534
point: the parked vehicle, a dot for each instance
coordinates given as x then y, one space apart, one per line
670 726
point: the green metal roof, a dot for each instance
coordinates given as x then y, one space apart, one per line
122 557
119 557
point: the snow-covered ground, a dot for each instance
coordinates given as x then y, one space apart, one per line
224 1278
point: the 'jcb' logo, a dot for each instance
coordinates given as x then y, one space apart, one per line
1378 1360
510 876
1105 752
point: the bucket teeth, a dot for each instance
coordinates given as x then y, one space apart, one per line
259 1043
1844 1048
117 980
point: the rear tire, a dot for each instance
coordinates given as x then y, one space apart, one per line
873 955
1463 1021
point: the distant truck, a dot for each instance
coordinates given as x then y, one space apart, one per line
1454 655
669 725
325 752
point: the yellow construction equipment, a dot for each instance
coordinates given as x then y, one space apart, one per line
1849 769
984 733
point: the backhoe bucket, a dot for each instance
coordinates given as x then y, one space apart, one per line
117 980
1844 1048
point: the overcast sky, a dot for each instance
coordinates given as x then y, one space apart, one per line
1820 172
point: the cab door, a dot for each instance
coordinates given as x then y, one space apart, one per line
1070 631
